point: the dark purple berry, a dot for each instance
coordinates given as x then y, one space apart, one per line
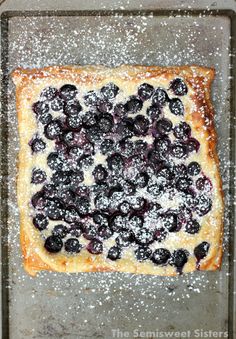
57 104
40 107
100 218
124 207
102 202
44 118
61 177
49 93
94 134
90 231
53 129
143 253
178 150
176 106
136 222
161 256
179 87
204 205
37 145
192 226
160 234
100 174
109 91
180 170
53 244
192 145
54 209
141 125
76 229
155 189
60 230
38 176
144 236
165 172
104 232
194 168
117 222
40 222
82 205
204 184
126 147
160 97
183 184
54 161
169 221
71 215
125 238
89 119
76 178
154 112
74 122
125 128
179 258
115 162
164 126
133 105
72 107
114 253
50 191
95 246
107 146
66 196
38 200
105 122
140 147
182 131
104 106
162 145
201 250
72 245
68 92
141 179
91 98
145 91
120 110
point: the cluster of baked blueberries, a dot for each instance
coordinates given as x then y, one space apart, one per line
128 184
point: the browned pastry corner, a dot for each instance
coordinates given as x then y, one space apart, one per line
170 245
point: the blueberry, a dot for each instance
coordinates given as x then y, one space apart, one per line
141 179
115 162
194 168
201 250
61 177
37 145
143 253
160 234
54 210
182 131
40 107
160 97
192 226
71 215
165 172
176 106
179 258
162 145
60 230
125 147
95 247
138 203
144 236
49 93
169 221
179 87
72 107
133 105
154 157
50 191
100 218
125 128
83 205
44 118
189 198
204 205
107 146
141 125
91 98
140 147
117 222
104 232
153 210
54 161
129 187
204 184
136 222
124 207
76 178
178 150
161 256
76 229
74 122
145 91
40 222
105 122
100 174
94 134
67 196
154 112
57 104
53 244
120 110
104 106
155 189
114 253
109 91
90 231
53 129
38 200
68 92
180 170
192 145
38 176
72 245
164 126
183 184
102 202
125 238
89 119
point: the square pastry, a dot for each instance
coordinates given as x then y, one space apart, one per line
118 169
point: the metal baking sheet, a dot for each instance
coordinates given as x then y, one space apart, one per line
107 305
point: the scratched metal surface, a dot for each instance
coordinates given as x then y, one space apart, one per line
91 305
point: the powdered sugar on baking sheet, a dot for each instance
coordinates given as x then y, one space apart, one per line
115 298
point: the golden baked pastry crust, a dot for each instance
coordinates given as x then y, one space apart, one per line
199 115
